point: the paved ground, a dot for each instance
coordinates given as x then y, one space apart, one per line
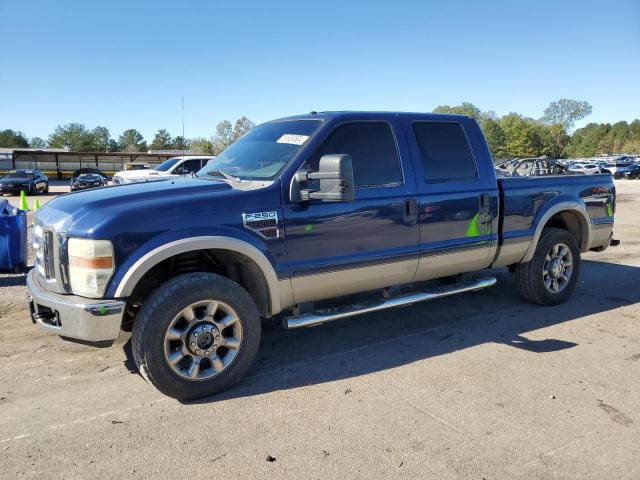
478 386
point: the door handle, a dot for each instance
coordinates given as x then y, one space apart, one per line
484 203
410 210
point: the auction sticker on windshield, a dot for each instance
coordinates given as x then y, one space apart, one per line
293 139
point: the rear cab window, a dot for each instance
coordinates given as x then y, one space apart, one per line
444 151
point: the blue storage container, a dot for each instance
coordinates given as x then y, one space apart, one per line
13 237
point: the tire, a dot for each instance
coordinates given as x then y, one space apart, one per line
46 188
533 285
153 342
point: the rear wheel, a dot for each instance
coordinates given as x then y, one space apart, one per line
551 275
196 335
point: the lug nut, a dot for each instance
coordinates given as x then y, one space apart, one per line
193 344
196 334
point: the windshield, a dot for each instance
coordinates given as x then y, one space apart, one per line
263 152
167 164
20 174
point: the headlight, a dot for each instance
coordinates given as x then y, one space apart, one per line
90 266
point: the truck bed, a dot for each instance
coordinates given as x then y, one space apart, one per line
527 202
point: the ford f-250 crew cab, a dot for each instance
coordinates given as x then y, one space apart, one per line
296 213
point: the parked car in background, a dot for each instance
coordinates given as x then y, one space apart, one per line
632 171
137 166
171 167
586 169
29 181
87 178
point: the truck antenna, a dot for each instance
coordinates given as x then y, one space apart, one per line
184 141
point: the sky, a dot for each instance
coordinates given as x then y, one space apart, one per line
127 64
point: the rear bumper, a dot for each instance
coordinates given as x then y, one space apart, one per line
74 317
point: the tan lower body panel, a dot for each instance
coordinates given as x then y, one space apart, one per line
353 280
445 264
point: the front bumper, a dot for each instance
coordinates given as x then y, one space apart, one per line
74 317
15 190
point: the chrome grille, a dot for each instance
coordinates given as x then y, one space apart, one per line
49 271
49 240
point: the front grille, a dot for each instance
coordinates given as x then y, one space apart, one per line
49 270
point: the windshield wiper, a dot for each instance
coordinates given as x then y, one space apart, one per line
220 173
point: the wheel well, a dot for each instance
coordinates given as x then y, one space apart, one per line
233 265
570 221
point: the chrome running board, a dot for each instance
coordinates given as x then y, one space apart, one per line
318 318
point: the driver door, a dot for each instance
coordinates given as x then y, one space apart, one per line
338 248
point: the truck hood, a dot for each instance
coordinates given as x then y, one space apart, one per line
90 209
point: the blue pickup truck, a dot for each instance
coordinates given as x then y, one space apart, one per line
295 222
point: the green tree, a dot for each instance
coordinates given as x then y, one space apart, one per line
161 141
200 145
465 108
586 141
242 126
520 136
555 141
615 138
131 140
179 143
101 139
566 112
13 139
223 137
73 136
495 137
37 142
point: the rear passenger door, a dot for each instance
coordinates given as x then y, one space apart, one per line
458 202
337 248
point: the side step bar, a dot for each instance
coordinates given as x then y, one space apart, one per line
318 318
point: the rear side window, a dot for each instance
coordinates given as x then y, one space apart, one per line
445 152
373 152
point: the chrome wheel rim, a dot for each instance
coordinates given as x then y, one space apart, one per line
202 340
557 268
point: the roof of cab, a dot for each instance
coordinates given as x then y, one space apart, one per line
345 115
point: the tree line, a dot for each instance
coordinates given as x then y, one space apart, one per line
77 137
517 136
510 136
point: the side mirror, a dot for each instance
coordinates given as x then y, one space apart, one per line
335 178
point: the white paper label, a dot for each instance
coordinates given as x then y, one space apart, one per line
293 139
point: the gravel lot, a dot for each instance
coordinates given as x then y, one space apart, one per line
477 386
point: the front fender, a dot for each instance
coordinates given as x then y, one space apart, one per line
130 273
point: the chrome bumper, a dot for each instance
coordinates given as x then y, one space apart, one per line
74 317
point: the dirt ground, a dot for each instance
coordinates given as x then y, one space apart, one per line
476 386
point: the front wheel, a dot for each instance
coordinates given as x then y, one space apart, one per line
196 335
551 275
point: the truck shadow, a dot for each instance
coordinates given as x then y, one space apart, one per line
385 340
